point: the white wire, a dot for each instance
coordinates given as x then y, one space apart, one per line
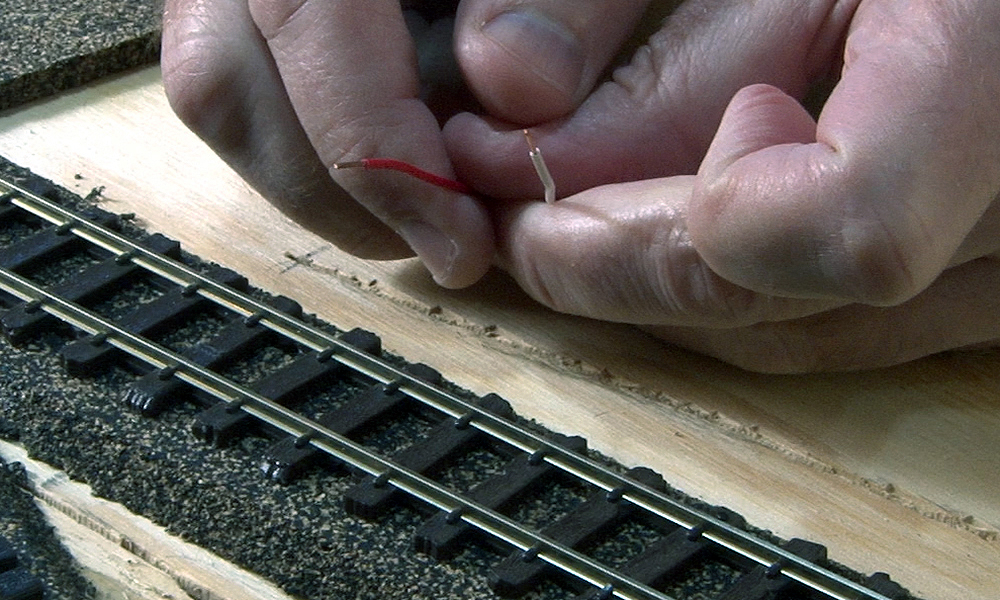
541 168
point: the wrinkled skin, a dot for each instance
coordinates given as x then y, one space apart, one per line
699 199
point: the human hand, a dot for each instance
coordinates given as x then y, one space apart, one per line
283 89
750 230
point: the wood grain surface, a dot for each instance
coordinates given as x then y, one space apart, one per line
894 470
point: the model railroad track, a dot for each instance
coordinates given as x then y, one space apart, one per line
123 301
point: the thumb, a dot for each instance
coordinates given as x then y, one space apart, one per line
764 212
760 116
533 61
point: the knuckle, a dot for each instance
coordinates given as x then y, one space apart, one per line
211 59
889 260
200 80
890 246
193 88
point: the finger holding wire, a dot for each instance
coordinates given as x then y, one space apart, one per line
221 81
349 69
538 161
393 164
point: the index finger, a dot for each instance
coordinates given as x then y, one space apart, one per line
349 69
622 253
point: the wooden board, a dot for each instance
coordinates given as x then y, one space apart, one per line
893 470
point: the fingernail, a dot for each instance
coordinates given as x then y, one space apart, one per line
551 49
435 249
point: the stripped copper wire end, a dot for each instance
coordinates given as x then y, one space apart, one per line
538 161
393 164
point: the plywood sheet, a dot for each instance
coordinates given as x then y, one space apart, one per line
894 469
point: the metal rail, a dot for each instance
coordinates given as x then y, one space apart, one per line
830 584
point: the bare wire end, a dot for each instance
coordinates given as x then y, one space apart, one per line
393 164
541 168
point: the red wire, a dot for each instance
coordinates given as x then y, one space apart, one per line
393 164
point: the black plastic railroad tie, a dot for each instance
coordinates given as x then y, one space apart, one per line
495 404
221 423
292 383
767 581
444 442
98 280
363 340
883 584
600 514
673 554
424 373
43 246
499 492
147 319
151 394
